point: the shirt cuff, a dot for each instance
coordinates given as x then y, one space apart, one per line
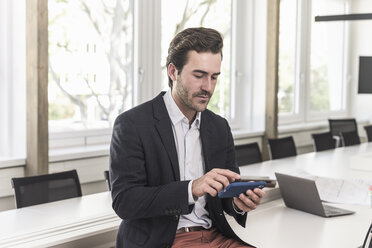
241 212
192 199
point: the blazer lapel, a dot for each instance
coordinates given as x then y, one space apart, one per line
164 128
205 135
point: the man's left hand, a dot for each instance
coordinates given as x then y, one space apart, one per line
250 200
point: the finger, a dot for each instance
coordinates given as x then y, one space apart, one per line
216 185
221 179
247 201
212 191
240 204
232 176
253 196
259 192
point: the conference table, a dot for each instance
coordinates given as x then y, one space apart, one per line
86 221
272 224
89 221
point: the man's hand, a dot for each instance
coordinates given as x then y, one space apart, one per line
249 201
213 182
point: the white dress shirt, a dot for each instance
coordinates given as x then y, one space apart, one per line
190 160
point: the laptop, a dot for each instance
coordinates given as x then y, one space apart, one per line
302 194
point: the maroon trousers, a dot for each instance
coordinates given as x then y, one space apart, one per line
206 239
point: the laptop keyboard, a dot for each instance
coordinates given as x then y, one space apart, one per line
329 210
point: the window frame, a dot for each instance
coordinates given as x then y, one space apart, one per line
248 70
302 113
147 72
12 79
147 69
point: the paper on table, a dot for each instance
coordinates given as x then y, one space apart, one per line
340 190
344 191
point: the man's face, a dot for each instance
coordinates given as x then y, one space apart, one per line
193 88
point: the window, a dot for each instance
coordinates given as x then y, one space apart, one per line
12 79
287 62
178 15
107 56
90 63
312 61
327 59
240 92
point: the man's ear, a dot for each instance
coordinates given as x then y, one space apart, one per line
172 71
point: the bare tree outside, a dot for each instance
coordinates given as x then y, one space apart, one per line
195 13
91 57
90 63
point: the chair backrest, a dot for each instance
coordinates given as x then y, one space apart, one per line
107 177
369 132
248 154
350 138
368 239
323 141
35 190
282 147
337 126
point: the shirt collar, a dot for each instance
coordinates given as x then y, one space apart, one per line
175 113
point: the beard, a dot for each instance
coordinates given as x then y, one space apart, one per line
190 100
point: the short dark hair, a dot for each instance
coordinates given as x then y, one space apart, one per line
192 39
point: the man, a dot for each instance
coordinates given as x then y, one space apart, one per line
170 157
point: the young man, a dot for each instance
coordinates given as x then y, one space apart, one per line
171 156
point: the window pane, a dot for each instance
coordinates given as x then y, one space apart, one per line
90 62
287 57
178 15
12 79
327 58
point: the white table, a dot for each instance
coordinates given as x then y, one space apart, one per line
274 225
86 221
89 221
353 162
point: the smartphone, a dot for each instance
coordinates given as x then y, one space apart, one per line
235 189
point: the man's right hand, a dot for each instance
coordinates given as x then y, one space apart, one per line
213 182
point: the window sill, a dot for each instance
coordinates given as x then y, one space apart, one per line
74 153
81 152
91 151
61 154
7 162
243 134
300 127
309 126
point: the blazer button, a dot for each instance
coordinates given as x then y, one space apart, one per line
179 211
176 217
167 211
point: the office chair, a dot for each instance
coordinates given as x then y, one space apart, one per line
107 178
368 132
368 239
323 141
350 138
247 154
336 126
40 189
282 147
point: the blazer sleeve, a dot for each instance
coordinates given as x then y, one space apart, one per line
132 197
231 165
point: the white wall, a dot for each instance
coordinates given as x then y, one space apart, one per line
361 45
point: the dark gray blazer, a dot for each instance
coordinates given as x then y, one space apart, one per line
146 189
